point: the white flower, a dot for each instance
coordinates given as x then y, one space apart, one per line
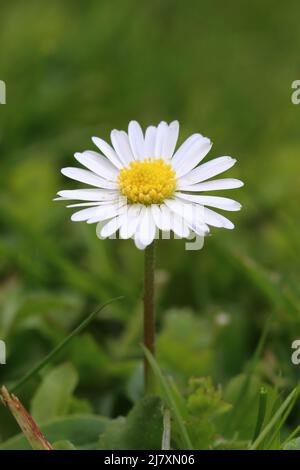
141 184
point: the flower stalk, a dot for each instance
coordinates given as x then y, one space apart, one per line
149 316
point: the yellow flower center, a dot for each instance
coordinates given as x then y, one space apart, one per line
148 182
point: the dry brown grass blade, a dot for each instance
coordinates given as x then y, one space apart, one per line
31 431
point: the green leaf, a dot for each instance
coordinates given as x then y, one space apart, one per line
53 396
294 444
188 358
204 403
63 445
142 429
223 444
90 360
80 406
204 399
82 430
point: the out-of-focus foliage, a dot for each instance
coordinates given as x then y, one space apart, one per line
75 69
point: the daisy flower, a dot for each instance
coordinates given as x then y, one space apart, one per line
142 185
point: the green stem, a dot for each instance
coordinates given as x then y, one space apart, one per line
149 317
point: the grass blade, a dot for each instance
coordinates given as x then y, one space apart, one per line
291 436
276 418
262 406
281 423
171 402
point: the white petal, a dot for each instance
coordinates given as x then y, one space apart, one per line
85 204
194 154
138 242
181 152
85 214
170 140
217 220
161 136
111 227
213 201
98 164
179 227
130 222
208 170
98 203
99 228
97 213
214 185
150 139
89 194
85 176
136 140
200 230
107 212
165 139
108 151
161 216
157 216
146 227
193 214
121 145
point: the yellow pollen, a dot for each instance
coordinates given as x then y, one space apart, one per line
148 182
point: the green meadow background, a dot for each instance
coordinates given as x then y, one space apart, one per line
75 69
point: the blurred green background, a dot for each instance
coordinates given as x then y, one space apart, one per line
75 69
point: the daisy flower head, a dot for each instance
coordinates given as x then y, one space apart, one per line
141 186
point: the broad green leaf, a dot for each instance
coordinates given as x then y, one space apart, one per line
53 396
63 445
204 404
234 444
89 359
142 429
82 430
185 344
204 399
80 406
